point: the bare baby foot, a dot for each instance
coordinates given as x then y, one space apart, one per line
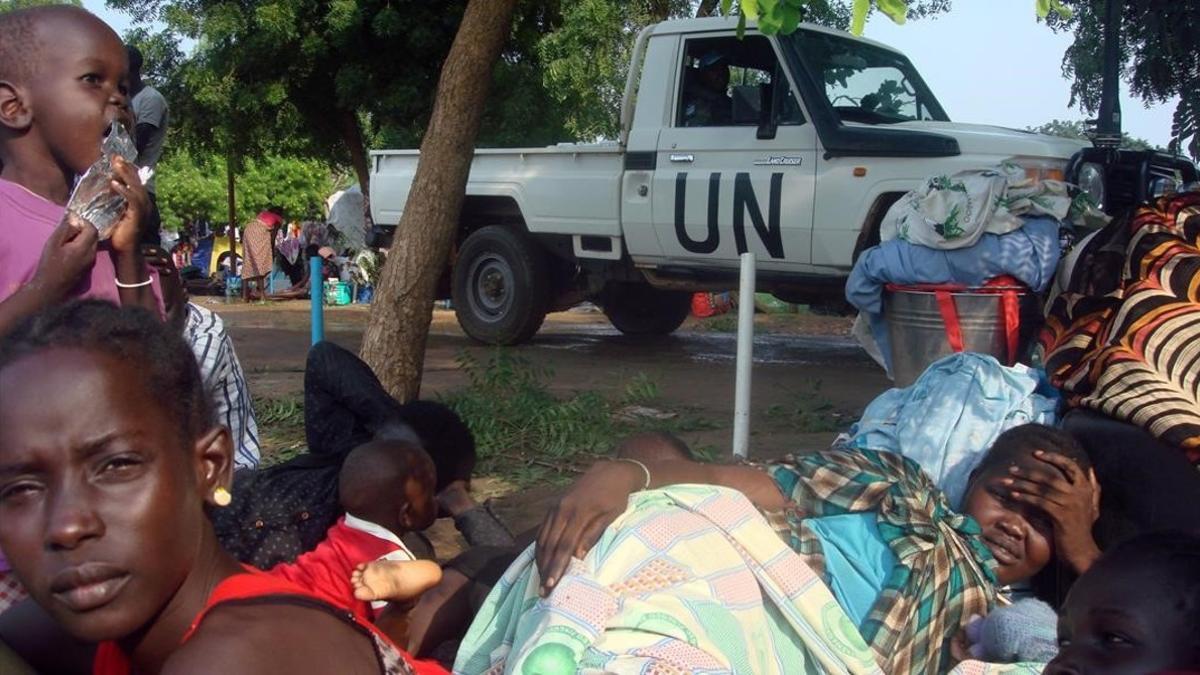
394 580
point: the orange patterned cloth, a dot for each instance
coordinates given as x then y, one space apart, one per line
1124 339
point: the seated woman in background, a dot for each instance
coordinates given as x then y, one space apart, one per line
694 577
108 463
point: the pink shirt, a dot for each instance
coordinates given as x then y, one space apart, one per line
26 223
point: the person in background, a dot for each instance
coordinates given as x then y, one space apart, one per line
151 116
258 242
707 102
223 377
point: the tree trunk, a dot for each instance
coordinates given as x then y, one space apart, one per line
707 8
352 137
229 191
394 344
660 10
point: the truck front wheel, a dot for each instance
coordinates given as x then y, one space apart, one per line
641 309
500 286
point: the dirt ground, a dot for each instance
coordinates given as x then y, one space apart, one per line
809 380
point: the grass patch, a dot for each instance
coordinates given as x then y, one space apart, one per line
809 412
722 323
526 434
280 427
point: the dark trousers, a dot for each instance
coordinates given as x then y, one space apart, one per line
345 405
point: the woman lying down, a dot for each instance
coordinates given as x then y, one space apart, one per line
839 561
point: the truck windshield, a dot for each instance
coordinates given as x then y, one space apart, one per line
865 83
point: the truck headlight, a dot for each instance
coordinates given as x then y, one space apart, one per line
1091 181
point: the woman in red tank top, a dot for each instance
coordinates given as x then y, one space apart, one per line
108 461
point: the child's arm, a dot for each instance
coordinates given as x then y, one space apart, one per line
67 256
126 251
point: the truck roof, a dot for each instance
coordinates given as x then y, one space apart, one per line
714 23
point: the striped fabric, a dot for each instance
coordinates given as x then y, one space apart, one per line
1125 338
224 381
945 574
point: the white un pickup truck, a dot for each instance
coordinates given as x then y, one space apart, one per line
792 147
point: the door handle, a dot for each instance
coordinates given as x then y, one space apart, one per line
683 158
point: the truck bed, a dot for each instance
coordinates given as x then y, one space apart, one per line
564 189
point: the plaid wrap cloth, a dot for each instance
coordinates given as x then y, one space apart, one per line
11 591
1124 337
944 574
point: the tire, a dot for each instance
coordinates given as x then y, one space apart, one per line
500 287
641 309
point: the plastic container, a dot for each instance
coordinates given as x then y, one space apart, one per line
337 292
926 323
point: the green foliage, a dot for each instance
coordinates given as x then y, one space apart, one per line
513 415
783 16
191 186
585 60
280 428
809 412
1159 52
527 433
640 389
1078 130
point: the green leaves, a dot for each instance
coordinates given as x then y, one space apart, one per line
896 10
192 187
1185 123
1044 7
784 16
859 18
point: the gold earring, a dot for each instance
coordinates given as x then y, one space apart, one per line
221 497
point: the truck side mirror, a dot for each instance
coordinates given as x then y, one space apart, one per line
766 112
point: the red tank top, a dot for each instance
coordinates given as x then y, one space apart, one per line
254 584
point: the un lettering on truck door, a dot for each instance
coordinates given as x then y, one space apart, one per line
736 167
745 204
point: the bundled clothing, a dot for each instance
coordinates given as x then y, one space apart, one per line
949 417
1026 630
692 578
1122 338
951 212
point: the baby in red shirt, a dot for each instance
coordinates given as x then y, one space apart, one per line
386 488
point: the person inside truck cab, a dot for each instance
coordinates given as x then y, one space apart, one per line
706 100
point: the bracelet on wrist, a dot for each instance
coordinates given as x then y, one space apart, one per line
644 468
140 284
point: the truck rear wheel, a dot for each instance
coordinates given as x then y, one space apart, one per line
500 286
641 309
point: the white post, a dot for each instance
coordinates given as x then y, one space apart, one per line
745 358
